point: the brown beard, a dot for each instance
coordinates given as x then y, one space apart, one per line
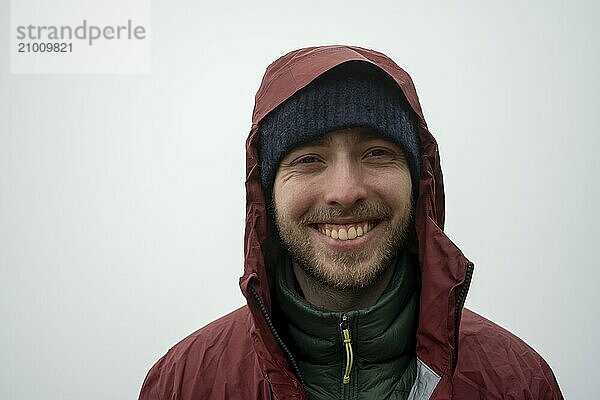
348 271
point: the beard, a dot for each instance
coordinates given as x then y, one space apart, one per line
345 270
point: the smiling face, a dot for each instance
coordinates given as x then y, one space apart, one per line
343 206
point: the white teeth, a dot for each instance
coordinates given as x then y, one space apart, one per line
351 233
347 234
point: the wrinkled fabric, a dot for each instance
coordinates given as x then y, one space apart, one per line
238 357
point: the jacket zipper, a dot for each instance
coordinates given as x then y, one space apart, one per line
349 356
278 339
460 301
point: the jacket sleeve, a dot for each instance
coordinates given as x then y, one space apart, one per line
495 364
150 387
549 390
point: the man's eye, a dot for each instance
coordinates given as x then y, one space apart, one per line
307 160
378 152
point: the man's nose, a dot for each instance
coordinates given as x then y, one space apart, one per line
345 185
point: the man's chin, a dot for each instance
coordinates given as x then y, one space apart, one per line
345 274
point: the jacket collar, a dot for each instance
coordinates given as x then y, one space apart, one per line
374 330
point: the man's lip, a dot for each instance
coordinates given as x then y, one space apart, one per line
348 221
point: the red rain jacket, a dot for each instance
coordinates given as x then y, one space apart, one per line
461 355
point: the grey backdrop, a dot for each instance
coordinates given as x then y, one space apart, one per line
122 196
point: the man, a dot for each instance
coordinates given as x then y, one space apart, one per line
353 289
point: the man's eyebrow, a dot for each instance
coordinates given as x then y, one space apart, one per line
368 135
323 140
326 139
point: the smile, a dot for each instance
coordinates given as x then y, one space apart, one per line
349 231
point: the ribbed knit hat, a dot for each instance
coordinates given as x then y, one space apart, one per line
353 94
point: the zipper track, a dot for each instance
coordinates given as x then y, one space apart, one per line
460 301
278 339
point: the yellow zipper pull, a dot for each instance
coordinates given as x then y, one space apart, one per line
345 328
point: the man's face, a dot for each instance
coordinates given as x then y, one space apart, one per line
343 206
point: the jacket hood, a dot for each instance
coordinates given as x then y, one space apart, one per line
444 268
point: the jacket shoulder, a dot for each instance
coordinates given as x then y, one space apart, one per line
205 364
495 364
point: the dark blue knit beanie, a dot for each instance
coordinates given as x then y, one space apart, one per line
353 94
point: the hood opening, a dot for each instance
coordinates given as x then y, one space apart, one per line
443 266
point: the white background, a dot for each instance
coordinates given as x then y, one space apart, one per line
122 196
